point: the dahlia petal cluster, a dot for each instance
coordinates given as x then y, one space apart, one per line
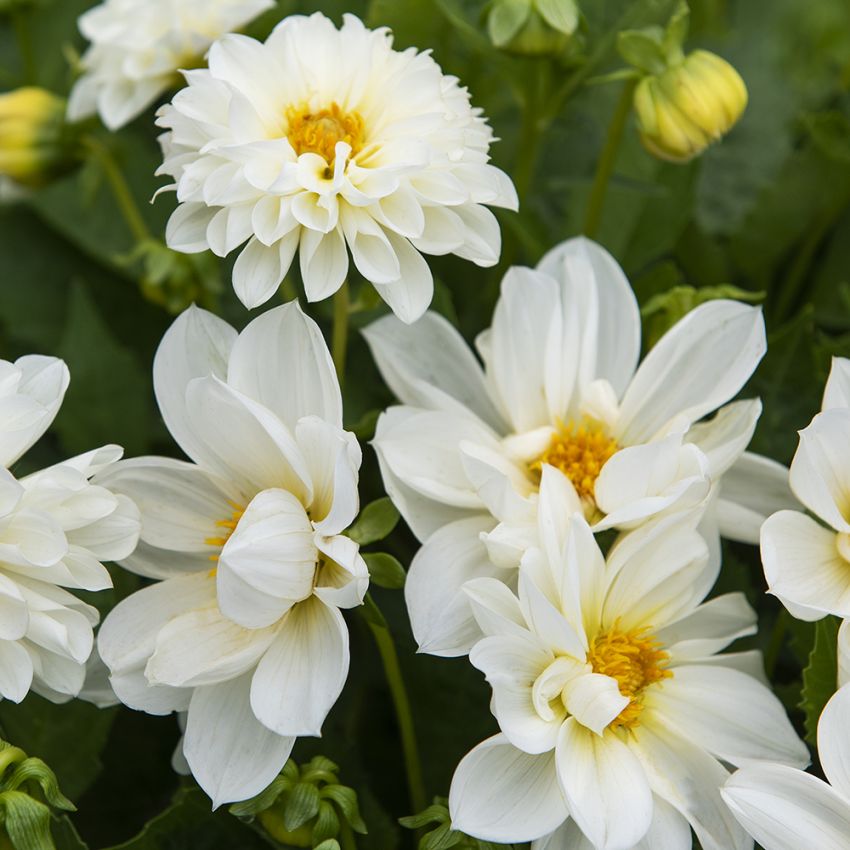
242 628
138 46
617 713
561 386
327 142
56 527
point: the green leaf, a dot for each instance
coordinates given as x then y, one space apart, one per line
302 804
820 678
375 522
385 570
562 15
506 19
107 401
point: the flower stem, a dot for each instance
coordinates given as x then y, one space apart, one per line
24 39
339 339
120 190
401 701
605 166
346 837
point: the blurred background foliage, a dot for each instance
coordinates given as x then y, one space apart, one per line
767 210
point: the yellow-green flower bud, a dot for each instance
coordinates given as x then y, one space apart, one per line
35 142
681 111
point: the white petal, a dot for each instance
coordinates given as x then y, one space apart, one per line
820 471
734 716
833 743
594 700
723 438
697 366
439 611
259 270
197 344
710 628
231 754
502 794
282 361
429 357
410 295
324 263
786 809
836 393
802 563
14 611
301 676
605 787
186 230
15 671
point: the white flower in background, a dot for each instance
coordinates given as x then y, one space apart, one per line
55 529
617 715
138 46
244 631
786 809
561 386
807 565
326 141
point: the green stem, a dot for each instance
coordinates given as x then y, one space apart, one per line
777 639
120 189
607 159
346 836
401 701
339 338
22 36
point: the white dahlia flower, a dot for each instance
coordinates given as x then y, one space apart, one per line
807 564
561 386
326 141
786 809
138 47
55 529
617 715
243 630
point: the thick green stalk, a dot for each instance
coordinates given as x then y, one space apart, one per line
607 159
339 337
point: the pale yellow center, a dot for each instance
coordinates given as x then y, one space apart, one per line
635 660
579 451
319 132
227 526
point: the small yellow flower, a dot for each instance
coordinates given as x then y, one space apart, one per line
683 110
34 143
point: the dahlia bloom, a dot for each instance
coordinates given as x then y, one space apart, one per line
138 46
786 809
243 629
325 142
617 715
462 455
807 563
55 529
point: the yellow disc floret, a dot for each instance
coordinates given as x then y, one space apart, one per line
319 131
227 526
635 659
579 451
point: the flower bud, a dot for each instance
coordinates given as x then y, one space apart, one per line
36 144
532 27
682 110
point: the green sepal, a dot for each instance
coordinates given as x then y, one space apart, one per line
375 522
26 821
643 49
302 805
506 19
385 570
561 15
330 844
36 771
265 799
442 838
327 823
345 799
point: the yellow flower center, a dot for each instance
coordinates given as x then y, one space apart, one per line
636 661
318 132
227 526
579 451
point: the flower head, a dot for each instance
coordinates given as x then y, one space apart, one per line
616 712
244 629
55 529
561 387
806 563
138 46
325 141
691 104
786 809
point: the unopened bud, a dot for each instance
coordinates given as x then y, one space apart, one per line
681 111
36 145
